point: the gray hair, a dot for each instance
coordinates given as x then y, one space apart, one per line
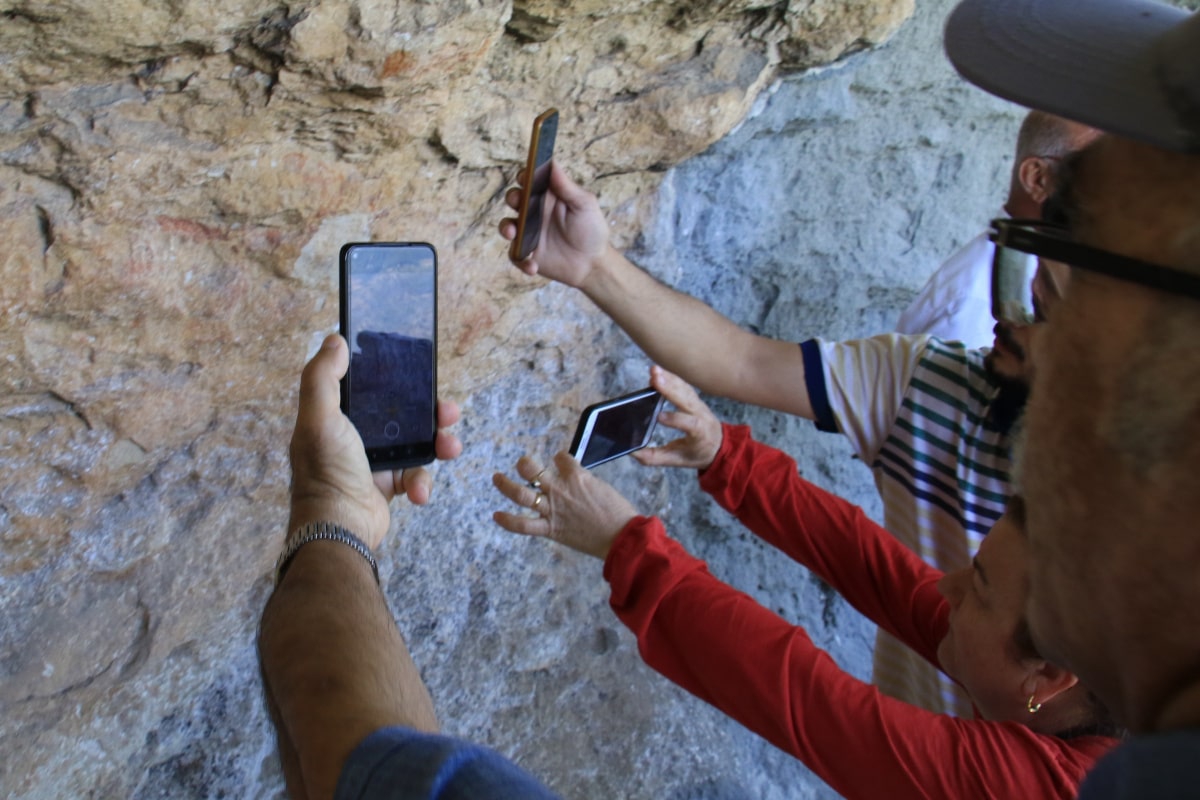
1045 135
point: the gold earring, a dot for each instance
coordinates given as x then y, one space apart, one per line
1032 706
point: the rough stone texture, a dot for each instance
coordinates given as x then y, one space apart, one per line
175 180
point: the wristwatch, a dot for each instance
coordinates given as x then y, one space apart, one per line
314 531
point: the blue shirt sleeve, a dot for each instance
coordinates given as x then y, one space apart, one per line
814 380
398 763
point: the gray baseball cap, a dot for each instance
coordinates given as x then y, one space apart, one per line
1129 67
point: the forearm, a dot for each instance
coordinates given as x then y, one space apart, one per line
334 664
289 760
726 649
865 564
695 342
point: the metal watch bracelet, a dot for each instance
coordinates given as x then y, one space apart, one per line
315 531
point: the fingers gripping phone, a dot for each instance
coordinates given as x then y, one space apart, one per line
388 317
616 427
537 183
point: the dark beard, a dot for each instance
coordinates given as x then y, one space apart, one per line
1008 404
1005 334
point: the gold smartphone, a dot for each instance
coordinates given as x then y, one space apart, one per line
537 183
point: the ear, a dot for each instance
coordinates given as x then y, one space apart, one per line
1045 681
1037 178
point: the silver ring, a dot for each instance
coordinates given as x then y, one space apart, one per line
537 501
534 482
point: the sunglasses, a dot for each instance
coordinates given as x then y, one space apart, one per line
1018 239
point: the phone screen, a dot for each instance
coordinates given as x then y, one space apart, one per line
616 427
537 170
389 319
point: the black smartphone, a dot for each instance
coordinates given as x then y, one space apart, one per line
616 427
537 183
388 317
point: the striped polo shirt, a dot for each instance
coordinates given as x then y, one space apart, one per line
916 409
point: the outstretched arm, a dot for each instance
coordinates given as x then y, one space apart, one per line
674 329
726 649
335 667
831 536
865 564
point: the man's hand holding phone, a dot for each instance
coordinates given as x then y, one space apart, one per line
331 480
574 233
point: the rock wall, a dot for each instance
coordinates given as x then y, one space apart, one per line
175 181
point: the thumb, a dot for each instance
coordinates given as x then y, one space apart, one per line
320 394
673 454
654 456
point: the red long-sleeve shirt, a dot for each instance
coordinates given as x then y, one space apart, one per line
726 649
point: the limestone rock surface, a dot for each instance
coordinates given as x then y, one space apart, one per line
175 182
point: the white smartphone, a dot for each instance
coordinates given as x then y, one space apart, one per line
616 427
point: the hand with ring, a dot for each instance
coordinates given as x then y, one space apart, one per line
573 507
535 481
